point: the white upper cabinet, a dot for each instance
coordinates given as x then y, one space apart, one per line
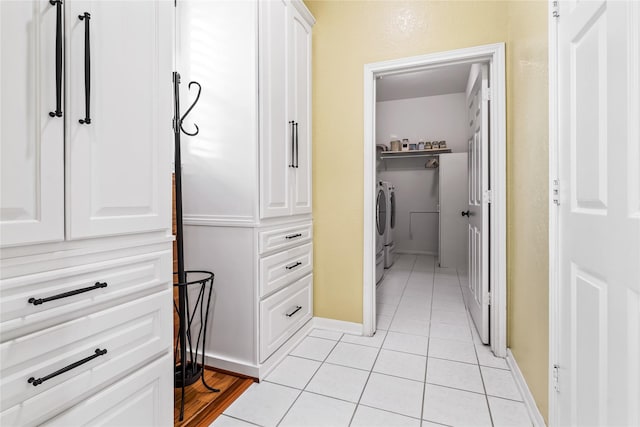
285 58
252 158
111 172
31 149
116 180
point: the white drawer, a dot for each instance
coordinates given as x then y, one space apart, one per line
144 398
133 334
285 237
277 271
283 313
125 278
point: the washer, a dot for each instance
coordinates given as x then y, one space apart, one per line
389 244
381 225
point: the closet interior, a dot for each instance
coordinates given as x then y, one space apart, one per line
423 136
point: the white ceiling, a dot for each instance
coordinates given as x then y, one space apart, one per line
415 84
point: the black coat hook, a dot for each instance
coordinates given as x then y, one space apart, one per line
189 110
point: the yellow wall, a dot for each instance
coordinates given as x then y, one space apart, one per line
349 34
527 194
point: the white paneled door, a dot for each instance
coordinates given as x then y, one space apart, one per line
598 213
476 290
32 148
300 58
115 171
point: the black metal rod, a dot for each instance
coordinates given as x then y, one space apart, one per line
58 111
86 17
296 127
97 353
38 301
182 278
293 236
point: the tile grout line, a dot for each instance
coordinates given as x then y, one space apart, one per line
377 355
426 365
305 386
470 326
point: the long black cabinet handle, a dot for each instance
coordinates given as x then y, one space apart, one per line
97 353
296 127
293 236
86 17
292 123
294 265
58 111
297 309
38 301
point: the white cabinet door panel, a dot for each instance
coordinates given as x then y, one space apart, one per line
300 84
276 134
118 166
32 153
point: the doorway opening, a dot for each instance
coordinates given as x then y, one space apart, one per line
450 200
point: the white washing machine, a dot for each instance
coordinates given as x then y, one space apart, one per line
389 244
381 225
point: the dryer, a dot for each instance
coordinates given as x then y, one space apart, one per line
381 225
389 244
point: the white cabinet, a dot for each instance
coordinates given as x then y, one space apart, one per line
32 151
285 86
247 174
85 244
114 184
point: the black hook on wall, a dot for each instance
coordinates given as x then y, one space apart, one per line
189 110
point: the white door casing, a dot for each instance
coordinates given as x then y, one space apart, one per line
476 290
494 55
300 69
32 148
131 112
595 289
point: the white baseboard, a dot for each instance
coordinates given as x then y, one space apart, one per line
338 325
529 401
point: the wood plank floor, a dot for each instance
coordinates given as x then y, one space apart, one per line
202 406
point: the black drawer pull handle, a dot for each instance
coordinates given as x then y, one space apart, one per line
38 301
293 142
297 309
293 236
87 69
36 382
292 266
58 110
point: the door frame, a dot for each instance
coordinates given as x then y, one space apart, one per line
494 54
554 230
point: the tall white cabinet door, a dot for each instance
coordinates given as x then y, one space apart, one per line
277 131
598 331
300 84
118 166
31 149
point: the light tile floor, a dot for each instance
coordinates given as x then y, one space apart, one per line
425 366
